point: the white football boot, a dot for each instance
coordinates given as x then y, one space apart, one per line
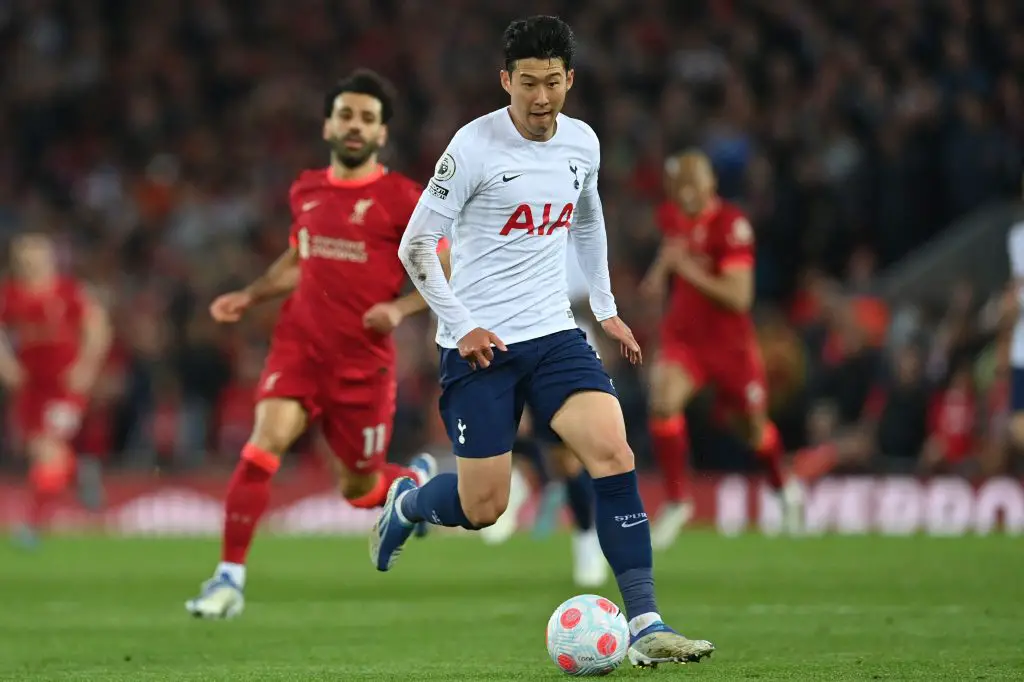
220 597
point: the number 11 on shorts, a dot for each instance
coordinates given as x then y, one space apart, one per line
374 438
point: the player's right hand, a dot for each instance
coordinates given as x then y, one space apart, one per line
477 347
230 307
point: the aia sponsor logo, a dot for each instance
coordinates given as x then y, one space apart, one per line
523 219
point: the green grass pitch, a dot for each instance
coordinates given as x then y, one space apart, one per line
854 608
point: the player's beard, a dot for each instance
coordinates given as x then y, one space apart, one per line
353 158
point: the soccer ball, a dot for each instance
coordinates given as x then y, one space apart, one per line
587 635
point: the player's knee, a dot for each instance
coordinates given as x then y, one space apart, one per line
668 397
610 457
278 424
45 449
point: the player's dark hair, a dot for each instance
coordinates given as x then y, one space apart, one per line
539 37
364 82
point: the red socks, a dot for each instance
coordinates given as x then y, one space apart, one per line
48 481
249 495
246 501
770 453
385 477
671 450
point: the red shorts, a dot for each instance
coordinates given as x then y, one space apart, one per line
738 377
356 415
48 410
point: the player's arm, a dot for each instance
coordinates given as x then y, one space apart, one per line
280 278
413 302
733 288
419 254
384 318
97 335
590 240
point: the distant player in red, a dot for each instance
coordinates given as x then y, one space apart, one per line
707 336
54 345
332 358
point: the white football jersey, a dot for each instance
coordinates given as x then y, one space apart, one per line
512 201
1015 246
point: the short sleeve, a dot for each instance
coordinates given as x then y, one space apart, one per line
456 177
737 244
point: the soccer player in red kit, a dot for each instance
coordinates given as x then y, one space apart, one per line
55 341
331 358
707 335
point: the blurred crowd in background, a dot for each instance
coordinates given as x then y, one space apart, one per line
156 141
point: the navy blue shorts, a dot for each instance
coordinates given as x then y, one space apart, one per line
482 408
1017 389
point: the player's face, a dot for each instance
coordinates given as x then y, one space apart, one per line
695 185
33 258
355 131
537 88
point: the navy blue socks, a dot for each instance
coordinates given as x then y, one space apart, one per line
625 536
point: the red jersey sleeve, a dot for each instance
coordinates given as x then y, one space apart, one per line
737 244
443 245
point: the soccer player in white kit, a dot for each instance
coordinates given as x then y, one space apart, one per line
506 192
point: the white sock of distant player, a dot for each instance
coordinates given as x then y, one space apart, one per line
236 572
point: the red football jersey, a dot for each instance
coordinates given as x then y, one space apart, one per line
45 326
347 235
720 239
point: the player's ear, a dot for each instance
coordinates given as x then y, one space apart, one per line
506 81
326 130
570 77
382 136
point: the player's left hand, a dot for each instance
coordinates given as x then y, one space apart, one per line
383 318
618 330
80 378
